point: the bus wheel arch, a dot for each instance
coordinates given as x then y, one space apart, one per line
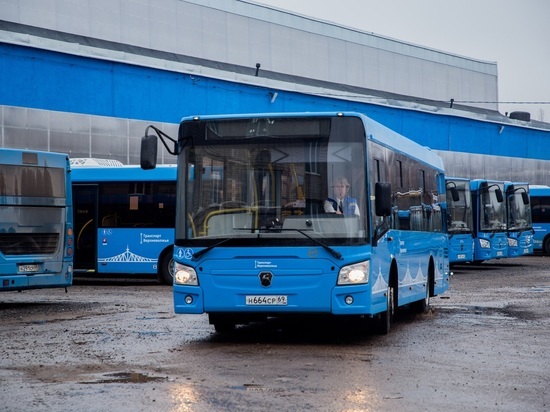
385 319
423 305
546 245
165 266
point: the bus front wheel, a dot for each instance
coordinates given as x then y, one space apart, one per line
166 268
385 318
223 324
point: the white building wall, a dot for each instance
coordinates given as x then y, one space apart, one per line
243 33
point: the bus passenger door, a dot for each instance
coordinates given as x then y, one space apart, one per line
85 225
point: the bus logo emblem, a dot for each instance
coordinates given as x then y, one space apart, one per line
265 279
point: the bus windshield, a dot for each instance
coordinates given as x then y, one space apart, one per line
459 211
493 209
32 214
519 207
274 181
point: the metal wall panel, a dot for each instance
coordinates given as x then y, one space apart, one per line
475 166
78 135
74 144
17 137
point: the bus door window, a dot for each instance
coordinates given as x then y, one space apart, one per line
85 224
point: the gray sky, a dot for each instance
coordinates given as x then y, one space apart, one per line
513 33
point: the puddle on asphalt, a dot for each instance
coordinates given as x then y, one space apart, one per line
127 377
256 388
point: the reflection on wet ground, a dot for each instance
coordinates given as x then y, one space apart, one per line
126 377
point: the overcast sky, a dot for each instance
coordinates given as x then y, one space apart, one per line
513 33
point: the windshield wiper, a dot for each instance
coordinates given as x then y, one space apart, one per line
197 255
333 252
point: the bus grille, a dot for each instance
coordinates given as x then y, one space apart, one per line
28 243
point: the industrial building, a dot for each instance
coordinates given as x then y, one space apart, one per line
86 77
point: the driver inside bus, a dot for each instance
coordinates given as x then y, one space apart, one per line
342 203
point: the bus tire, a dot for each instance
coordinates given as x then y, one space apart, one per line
423 305
546 246
385 318
166 269
223 324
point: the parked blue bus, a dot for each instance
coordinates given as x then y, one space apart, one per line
275 244
540 213
489 214
124 220
460 224
36 220
518 219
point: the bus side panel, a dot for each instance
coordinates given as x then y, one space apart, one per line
413 259
540 212
541 231
131 250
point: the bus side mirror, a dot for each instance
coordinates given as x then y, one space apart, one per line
454 194
498 194
525 198
148 158
382 199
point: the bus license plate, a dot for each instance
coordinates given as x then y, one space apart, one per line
29 268
259 300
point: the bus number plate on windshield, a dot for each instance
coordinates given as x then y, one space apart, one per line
259 300
29 268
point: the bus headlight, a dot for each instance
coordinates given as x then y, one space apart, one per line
484 243
512 242
185 275
354 274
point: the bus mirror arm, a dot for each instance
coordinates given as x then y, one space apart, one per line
380 230
148 158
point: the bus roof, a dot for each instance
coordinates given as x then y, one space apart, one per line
90 161
131 173
539 190
33 158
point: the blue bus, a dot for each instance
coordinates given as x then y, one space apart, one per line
124 220
540 213
489 215
518 219
36 220
274 243
460 225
